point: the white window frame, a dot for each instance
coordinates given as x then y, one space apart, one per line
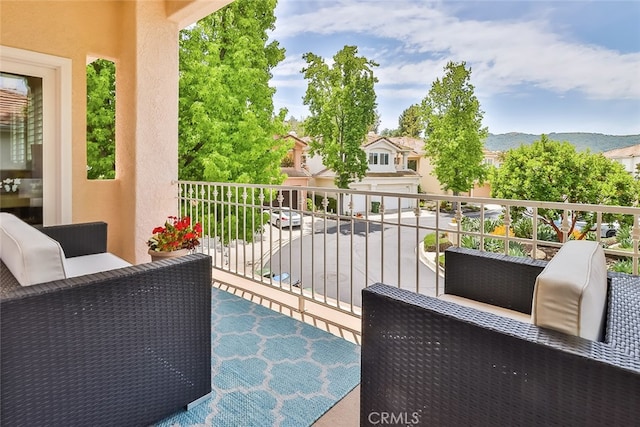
56 87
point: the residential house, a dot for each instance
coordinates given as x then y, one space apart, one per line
388 172
298 175
418 162
629 157
52 42
491 158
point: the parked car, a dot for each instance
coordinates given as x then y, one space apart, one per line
284 217
606 230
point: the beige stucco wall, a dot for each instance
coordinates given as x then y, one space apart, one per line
73 30
142 38
428 182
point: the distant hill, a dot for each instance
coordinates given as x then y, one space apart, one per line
596 142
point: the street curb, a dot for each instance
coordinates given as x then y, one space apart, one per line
429 259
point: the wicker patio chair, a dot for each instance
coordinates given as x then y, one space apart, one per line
439 363
124 347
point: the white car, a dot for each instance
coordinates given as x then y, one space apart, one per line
284 217
606 230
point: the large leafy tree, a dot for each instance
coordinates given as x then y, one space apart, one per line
101 119
342 105
554 171
410 122
226 115
454 136
227 123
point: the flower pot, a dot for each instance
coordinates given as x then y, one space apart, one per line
160 255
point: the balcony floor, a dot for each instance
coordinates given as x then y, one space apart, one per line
264 365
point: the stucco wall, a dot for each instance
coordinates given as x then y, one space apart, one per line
143 43
73 30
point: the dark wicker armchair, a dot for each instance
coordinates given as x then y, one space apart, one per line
124 347
430 362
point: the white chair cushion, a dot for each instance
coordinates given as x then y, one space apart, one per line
89 264
30 255
570 294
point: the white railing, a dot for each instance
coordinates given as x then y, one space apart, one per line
348 239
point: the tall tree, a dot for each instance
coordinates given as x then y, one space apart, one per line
342 103
226 115
390 132
410 122
554 171
294 125
227 123
376 123
101 119
454 136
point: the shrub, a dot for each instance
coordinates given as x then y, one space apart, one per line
310 205
470 224
470 242
547 233
493 245
523 228
500 230
624 237
491 224
622 266
332 205
445 205
517 249
429 242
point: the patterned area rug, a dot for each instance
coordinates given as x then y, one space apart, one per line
269 369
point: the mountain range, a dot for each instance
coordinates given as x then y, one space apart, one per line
595 142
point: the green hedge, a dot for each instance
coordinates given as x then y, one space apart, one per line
429 242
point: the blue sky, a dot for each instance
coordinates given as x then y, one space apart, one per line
537 66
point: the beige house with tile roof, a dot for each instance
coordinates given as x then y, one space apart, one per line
388 172
298 175
629 157
421 164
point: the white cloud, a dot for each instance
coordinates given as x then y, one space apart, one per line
502 54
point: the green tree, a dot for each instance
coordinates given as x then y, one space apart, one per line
454 136
410 122
294 125
101 119
226 115
342 103
390 132
554 171
227 121
376 123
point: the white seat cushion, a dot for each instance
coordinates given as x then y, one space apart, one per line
570 295
30 255
89 264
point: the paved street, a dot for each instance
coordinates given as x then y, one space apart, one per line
336 260
339 262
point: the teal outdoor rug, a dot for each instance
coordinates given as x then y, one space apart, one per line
268 369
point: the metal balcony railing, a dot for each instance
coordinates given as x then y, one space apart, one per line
325 245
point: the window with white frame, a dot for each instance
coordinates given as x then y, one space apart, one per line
378 158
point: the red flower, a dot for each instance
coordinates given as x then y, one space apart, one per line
177 233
